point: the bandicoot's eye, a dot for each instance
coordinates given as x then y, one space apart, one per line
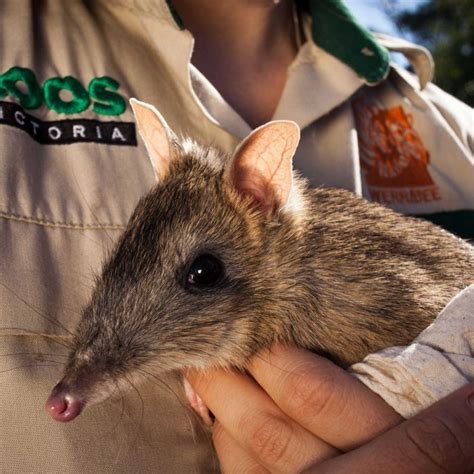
205 271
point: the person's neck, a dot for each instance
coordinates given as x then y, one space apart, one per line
245 29
240 44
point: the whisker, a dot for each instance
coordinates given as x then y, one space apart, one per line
90 208
35 310
141 400
54 364
97 242
12 354
186 408
162 383
122 407
122 411
89 278
21 332
141 415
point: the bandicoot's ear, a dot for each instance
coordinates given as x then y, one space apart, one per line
262 165
156 134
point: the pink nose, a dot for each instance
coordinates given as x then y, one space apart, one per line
62 406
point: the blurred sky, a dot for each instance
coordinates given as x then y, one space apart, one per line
373 13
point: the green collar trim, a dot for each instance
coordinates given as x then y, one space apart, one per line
335 30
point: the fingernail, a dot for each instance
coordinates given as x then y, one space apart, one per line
208 417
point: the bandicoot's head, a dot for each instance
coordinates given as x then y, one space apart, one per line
193 280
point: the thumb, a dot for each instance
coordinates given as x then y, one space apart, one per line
438 440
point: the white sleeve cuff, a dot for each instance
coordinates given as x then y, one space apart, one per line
440 360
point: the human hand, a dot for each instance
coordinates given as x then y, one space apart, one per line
438 440
300 409
303 410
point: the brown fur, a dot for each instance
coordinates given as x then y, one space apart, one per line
341 276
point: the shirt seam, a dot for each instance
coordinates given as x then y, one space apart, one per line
59 224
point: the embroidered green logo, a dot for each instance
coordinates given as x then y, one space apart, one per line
101 92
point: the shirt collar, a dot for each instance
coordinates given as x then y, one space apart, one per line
310 90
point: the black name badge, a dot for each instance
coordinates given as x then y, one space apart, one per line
64 132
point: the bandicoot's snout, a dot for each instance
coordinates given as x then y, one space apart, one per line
62 404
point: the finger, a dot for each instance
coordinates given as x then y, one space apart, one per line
233 458
438 440
196 403
322 397
256 423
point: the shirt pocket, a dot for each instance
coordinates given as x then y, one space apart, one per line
73 185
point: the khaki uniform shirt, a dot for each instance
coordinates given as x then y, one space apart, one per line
71 172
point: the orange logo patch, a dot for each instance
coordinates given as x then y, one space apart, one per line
392 155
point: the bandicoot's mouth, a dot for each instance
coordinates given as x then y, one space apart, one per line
63 406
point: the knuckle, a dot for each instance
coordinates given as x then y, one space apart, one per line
237 469
269 439
436 444
228 463
308 396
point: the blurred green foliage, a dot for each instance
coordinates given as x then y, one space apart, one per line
446 28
